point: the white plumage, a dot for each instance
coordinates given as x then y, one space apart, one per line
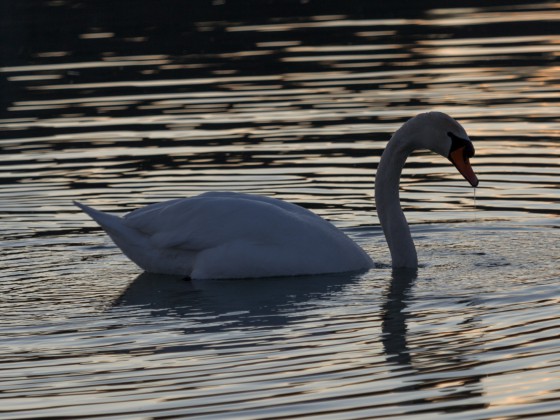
229 235
232 235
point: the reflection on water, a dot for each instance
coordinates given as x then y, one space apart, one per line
249 303
394 317
132 104
451 337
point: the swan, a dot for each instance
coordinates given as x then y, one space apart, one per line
233 235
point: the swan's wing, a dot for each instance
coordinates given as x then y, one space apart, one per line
284 205
213 219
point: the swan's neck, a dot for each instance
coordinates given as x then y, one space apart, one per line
391 216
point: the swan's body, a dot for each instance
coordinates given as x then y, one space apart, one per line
228 235
231 235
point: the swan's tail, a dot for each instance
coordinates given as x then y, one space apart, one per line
109 223
131 242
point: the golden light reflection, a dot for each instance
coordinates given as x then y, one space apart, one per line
486 18
34 77
83 65
277 44
374 34
154 83
52 54
97 35
498 40
470 51
345 57
241 54
343 48
336 91
328 24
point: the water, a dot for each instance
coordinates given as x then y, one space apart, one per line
124 105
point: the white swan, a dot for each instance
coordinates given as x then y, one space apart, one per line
232 235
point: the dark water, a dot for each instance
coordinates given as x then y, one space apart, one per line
121 105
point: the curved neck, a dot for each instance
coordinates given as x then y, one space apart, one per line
387 202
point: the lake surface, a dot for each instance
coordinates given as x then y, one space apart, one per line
122 105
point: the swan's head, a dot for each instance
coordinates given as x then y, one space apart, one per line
441 134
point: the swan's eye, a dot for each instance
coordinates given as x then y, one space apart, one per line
458 143
468 151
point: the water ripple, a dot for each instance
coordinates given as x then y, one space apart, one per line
130 113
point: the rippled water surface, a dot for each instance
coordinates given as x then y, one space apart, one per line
122 105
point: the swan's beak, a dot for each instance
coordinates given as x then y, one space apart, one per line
460 158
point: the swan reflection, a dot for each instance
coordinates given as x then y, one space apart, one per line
394 327
428 364
215 305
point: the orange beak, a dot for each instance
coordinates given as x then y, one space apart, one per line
459 158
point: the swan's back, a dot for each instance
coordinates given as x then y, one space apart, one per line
223 235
